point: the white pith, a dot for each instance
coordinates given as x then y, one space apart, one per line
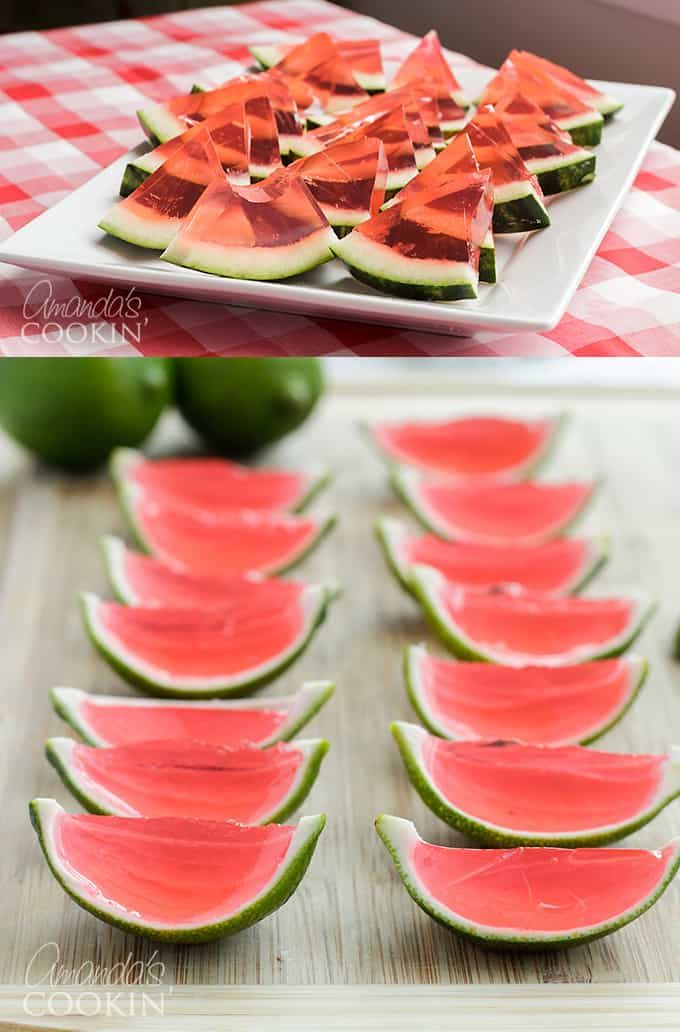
403 838
111 804
267 54
49 812
538 165
312 601
453 125
416 655
424 155
148 162
253 262
488 242
161 122
580 120
515 191
151 230
363 253
409 481
668 786
296 707
429 583
393 533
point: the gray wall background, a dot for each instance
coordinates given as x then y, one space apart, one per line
596 38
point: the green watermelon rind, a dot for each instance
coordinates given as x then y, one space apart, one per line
518 209
275 895
404 482
393 829
409 739
382 268
389 532
133 176
557 175
425 581
301 707
58 752
414 653
585 129
317 600
159 124
487 260
254 263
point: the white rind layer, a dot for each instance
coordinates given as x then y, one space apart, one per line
49 812
580 120
153 230
403 838
537 165
312 601
377 260
157 121
259 263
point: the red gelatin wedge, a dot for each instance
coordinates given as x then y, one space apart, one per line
103 720
528 629
152 214
216 485
531 896
526 513
189 653
560 567
174 879
516 793
568 705
479 447
173 778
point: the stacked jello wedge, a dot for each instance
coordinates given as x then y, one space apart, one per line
540 672
188 790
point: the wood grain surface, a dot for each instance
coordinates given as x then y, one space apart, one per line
351 921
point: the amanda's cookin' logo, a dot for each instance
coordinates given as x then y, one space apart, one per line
110 319
128 988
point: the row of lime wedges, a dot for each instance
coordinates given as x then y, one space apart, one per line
74 413
539 672
188 787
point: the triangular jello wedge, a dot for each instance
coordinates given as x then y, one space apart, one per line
518 198
427 64
594 98
562 106
545 149
347 180
268 231
230 136
152 214
427 246
457 158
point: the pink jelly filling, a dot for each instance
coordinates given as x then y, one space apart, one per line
535 789
536 626
465 447
539 889
214 643
169 871
510 513
121 725
228 544
214 484
156 584
551 567
190 779
544 705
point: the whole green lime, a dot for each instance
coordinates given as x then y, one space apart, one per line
241 404
72 411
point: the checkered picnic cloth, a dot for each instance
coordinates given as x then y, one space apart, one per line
67 108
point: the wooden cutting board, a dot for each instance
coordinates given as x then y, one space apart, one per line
351 921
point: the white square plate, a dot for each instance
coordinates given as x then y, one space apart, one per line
538 273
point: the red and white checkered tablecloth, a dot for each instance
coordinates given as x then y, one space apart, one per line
67 108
